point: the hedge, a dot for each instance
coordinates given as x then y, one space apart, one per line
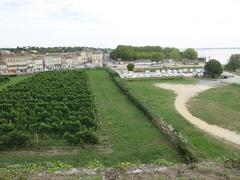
172 134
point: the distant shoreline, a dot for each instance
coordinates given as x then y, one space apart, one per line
218 48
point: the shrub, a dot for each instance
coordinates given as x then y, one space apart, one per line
95 164
130 66
234 62
15 139
213 68
4 79
88 137
162 162
71 139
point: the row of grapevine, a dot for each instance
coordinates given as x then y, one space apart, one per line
56 104
4 79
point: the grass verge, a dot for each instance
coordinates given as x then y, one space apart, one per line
161 102
218 106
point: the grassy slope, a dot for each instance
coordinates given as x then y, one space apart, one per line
126 134
162 104
131 134
220 106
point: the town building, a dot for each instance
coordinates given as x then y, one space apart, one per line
52 61
15 63
3 68
37 63
97 58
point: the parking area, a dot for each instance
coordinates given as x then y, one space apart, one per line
191 72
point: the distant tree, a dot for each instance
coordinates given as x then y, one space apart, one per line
234 62
113 55
174 54
155 53
190 54
157 56
130 66
213 68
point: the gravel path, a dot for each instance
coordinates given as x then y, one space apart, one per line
184 93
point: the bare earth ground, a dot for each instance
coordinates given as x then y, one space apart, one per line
184 93
204 170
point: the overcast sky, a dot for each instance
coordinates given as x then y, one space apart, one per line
107 23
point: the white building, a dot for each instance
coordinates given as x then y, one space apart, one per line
15 62
97 58
37 64
3 68
52 61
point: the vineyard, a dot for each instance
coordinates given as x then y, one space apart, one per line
51 105
4 79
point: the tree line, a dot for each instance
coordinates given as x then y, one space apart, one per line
64 49
154 53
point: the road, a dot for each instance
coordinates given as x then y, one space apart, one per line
184 93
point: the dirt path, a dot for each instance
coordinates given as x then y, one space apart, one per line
184 93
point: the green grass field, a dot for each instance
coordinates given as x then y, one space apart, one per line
131 135
125 135
219 106
161 102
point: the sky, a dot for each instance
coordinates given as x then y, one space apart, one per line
108 23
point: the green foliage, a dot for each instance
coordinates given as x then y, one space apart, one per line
154 53
234 63
162 162
125 165
232 162
71 139
130 66
174 54
81 137
4 79
190 54
44 50
15 139
213 68
18 171
95 164
49 103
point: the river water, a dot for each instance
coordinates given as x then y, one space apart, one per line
221 54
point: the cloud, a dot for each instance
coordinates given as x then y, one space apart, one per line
185 23
13 3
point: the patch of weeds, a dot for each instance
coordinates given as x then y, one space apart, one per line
95 164
125 165
162 162
24 171
232 162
